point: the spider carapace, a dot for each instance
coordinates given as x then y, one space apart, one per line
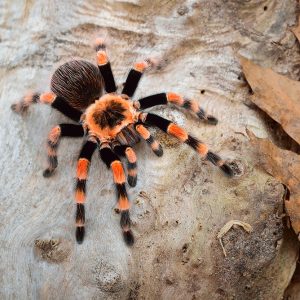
113 124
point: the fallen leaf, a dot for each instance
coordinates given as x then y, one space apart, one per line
275 94
296 30
283 165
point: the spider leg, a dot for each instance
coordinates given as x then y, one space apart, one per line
54 136
178 132
125 150
165 98
134 76
146 135
112 161
128 136
83 164
56 102
104 66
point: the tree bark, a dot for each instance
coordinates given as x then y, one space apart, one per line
180 202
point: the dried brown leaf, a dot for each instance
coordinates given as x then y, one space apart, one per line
275 94
296 30
284 165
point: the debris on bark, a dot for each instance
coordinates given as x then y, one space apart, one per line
247 227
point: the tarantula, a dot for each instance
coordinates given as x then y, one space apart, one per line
111 123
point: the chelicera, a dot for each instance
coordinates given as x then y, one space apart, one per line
112 123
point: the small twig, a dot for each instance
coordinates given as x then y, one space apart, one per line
247 227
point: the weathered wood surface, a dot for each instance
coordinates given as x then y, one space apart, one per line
180 202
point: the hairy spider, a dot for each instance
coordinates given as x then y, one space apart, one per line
113 123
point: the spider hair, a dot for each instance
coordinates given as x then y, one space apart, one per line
112 123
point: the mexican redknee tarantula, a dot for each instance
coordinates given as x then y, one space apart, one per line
113 123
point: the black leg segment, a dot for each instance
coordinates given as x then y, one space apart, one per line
56 133
64 107
134 76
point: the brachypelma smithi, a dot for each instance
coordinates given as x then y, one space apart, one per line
111 123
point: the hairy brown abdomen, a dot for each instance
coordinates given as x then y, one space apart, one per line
78 82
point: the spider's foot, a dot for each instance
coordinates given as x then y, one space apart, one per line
19 108
99 44
22 105
217 161
14 107
80 234
206 118
48 172
144 65
125 223
158 151
132 180
212 120
128 237
52 160
227 170
152 62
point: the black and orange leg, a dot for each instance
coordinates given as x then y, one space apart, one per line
128 152
56 133
146 135
112 161
50 98
83 164
135 75
178 132
165 98
128 136
104 66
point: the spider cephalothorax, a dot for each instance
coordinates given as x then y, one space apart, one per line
108 116
112 123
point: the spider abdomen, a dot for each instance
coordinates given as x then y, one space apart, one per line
78 82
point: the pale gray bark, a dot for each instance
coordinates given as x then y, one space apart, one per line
180 203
